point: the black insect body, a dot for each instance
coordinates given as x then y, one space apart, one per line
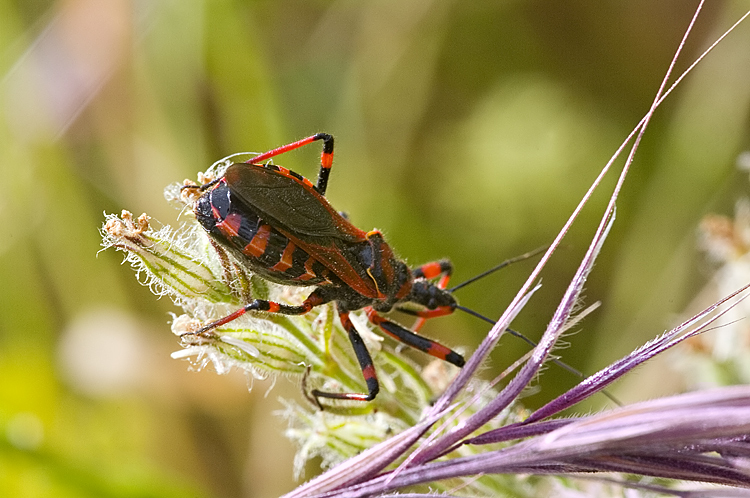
282 228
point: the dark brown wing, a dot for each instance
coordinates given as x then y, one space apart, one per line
286 201
296 209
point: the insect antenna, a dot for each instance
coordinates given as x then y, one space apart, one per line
512 332
492 270
533 344
520 336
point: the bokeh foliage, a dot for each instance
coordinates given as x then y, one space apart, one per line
463 129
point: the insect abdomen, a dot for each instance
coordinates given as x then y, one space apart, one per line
267 251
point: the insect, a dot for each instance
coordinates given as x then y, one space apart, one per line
281 226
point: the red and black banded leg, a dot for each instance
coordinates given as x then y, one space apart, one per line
326 162
419 342
313 300
434 269
326 158
365 363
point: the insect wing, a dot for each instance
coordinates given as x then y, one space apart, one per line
305 217
286 201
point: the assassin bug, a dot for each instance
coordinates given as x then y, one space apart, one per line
280 225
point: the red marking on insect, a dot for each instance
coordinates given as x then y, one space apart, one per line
438 351
230 226
369 372
326 160
309 273
286 261
432 270
257 245
273 307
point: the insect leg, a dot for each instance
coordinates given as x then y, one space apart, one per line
419 342
443 269
316 298
326 158
326 161
365 363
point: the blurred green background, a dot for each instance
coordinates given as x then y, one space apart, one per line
466 130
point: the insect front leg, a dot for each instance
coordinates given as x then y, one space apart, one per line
416 341
326 157
442 269
365 363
